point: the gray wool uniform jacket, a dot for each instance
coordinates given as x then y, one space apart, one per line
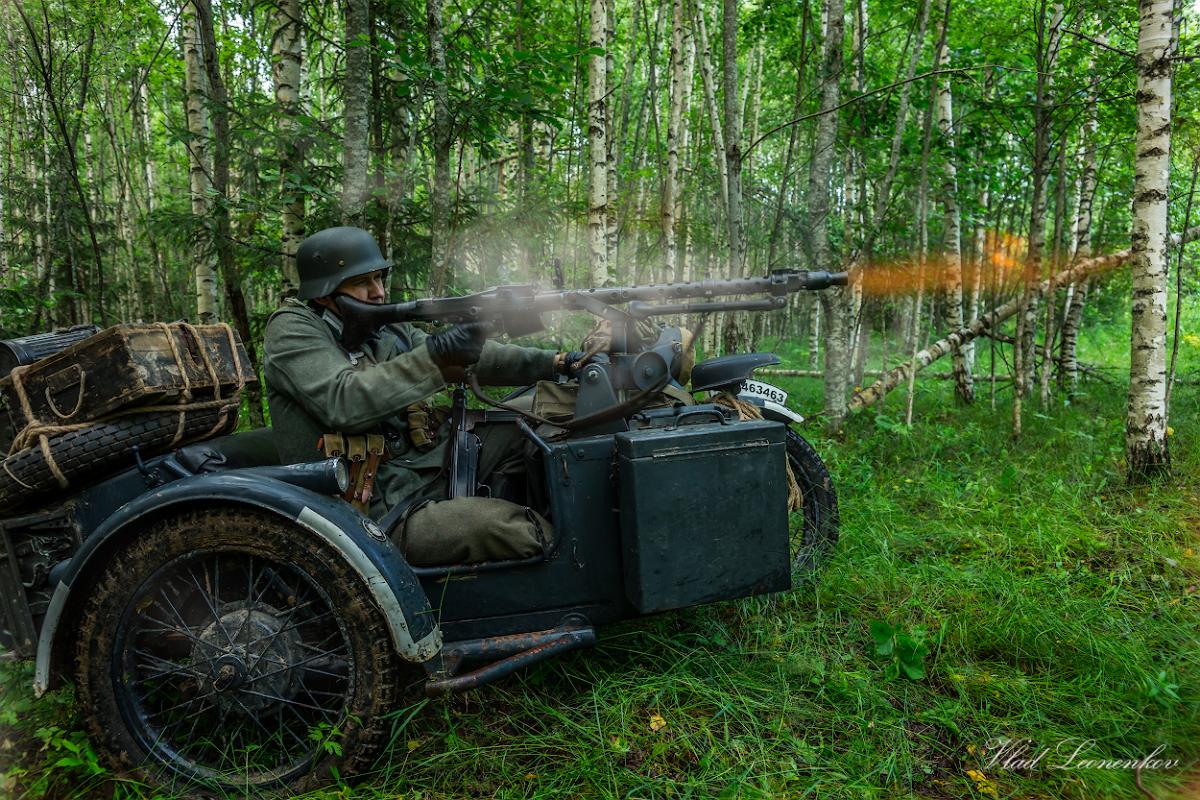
315 386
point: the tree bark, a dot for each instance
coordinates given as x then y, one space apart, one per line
1146 448
1081 246
356 85
833 300
597 144
710 104
674 118
443 140
964 385
231 273
199 163
287 52
1048 36
733 137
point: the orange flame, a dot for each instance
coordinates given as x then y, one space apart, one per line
1004 257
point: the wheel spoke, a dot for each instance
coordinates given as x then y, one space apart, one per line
216 615
322 711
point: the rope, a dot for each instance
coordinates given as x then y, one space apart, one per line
747 410
35 429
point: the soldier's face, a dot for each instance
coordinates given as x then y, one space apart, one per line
368 288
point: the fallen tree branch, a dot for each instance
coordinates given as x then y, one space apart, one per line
1079 270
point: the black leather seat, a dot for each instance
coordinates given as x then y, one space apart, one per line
254 448
724 372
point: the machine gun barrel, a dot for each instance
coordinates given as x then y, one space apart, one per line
518 308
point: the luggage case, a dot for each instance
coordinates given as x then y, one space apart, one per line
127 365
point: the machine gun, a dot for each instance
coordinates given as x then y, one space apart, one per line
517 309
635 367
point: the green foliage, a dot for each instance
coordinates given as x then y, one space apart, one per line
904 652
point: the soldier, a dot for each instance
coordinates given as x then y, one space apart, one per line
316 387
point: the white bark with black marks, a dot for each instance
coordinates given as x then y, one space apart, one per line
356 84
1146 450
834 301
443 139
199 166
597 144
964 385
287 53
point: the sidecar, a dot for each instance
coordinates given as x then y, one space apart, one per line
231 624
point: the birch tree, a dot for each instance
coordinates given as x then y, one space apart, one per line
1049 31
287 49
1146 451
439 201
964 387
355 90
597 144
674 120
833 300
200 165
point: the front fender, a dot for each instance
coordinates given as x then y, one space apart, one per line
414 629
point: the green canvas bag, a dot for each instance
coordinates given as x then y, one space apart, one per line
470 530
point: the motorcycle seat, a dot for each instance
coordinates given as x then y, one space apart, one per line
728 371
254 448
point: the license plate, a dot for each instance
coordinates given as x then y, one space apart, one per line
765 391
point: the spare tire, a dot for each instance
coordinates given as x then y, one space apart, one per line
25 476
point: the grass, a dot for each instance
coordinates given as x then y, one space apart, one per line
1055 604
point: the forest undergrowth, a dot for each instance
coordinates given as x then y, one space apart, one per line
982 588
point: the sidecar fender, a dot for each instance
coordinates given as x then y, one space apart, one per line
366 549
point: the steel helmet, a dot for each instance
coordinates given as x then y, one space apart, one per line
329 257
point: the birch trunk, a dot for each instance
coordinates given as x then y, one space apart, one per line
710 105
1081 246
597 221
610 153
834 300
1023 353
964 386
287 48
443 140
1146 448
674 119
914 332
733 137
356 85
199 166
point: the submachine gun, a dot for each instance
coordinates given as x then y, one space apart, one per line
633 362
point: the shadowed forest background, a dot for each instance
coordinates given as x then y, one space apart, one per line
974 164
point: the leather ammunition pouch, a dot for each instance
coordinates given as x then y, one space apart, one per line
364 452
424 421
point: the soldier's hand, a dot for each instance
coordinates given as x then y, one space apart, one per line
570 364
459 346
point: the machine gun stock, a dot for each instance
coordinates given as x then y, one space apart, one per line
517 309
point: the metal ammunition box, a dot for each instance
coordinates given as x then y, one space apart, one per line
703 513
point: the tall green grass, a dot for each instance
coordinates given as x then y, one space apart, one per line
1056 604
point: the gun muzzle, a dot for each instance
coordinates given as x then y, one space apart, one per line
815 281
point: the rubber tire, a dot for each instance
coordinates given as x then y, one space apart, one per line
98 448
819 531
375 677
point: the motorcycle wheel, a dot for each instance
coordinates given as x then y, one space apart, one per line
816 533
224 651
